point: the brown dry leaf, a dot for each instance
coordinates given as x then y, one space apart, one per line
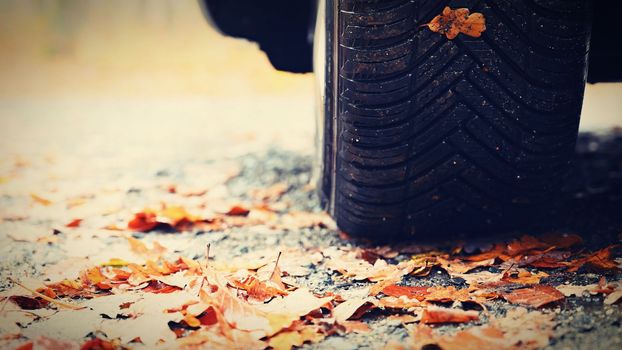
453 22
372 254
28 303
570 290
522 276
300 303
404 319
140 248
256 289
237 313
348 265
40 200
352 309
355 327
536 296
418 293
449 294
456 266
434 314
519 329
600 259
270 194
398 303
288 339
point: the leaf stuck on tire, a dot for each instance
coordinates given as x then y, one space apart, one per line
453 22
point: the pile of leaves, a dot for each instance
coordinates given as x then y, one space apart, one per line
256 303
129 267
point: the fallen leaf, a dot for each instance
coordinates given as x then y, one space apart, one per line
434 314
28 303
535 296
456 266
453 22
40 200
348 265
74 223
288 339
522 276
354 327
600 259
238 210
271 193
352 309
404 319
613 298
519 329
570 290
418 293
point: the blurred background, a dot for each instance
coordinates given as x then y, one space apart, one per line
153 76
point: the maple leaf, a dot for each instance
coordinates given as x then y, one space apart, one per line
434 314
453 22
536 296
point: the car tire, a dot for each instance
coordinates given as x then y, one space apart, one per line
423 135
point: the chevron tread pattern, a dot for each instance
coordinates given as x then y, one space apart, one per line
471 134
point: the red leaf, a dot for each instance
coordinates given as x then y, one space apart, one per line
74 223
143 222
238 210
97 344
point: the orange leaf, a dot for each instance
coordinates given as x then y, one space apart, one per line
355 326
536 296
74 223
143 222
418 293
288 339
453 22
238 210
433 314
40 200
600 259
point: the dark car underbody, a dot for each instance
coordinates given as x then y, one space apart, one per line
284 31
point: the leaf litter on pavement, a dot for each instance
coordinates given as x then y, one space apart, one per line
162 276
